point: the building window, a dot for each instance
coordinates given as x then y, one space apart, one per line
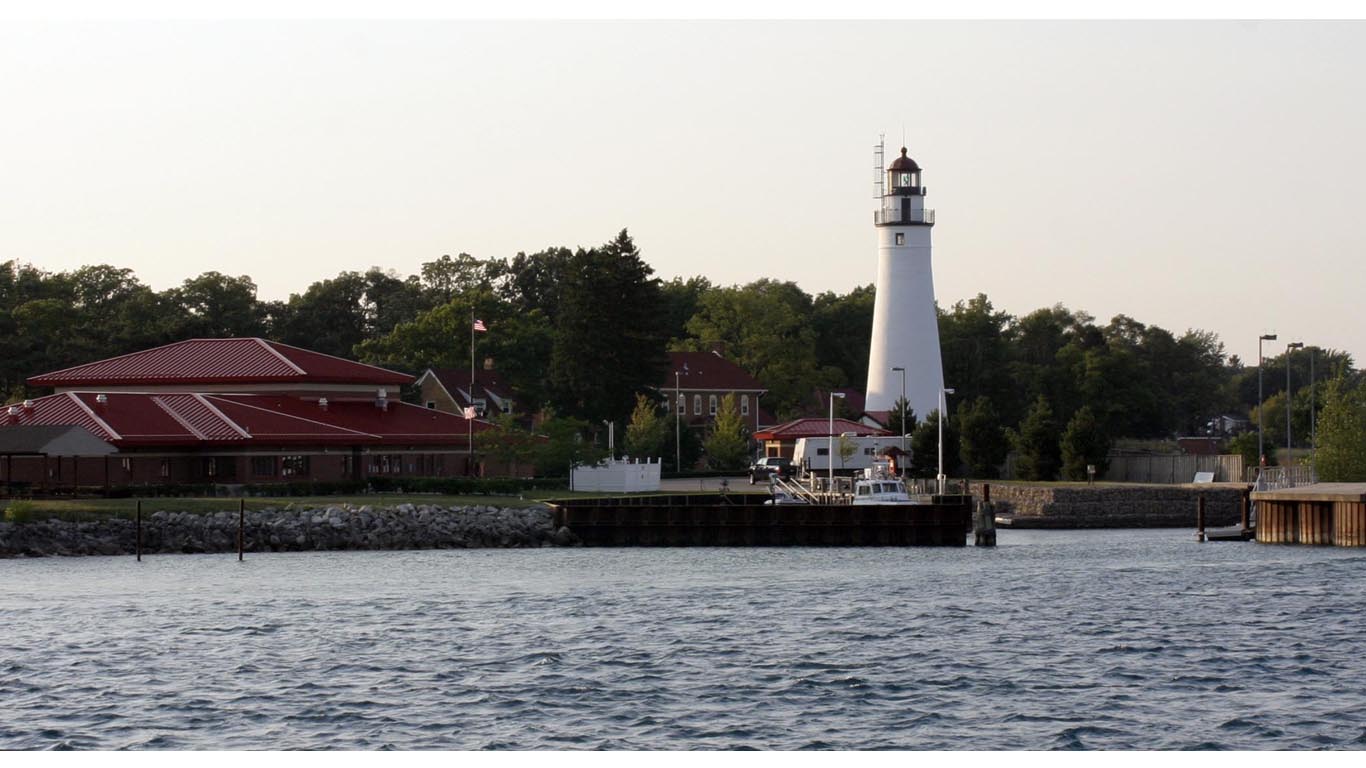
666 406
682 405
263 466
697 405
165 467
744 405
431 404
711 405
211 467
900 238
822 451
127 465
293 466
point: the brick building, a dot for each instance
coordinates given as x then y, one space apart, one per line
697 382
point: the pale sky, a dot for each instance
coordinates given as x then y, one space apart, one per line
1191 175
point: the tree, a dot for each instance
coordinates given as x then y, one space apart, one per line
1244 445
608 341
648 430
684 439
329 317
1084 443
507 442
727 446
1342 433
895 422
1036 444
982 440
567 445
215 305
925 447
843 329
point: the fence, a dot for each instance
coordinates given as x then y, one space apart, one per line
1162 468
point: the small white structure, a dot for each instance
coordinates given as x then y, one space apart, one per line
905 326
617 475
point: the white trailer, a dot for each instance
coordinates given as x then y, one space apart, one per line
852 454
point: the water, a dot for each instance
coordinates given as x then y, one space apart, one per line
1054 640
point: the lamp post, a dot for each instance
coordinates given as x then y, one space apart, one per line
903 406
678 429
1289 444
1261 454
943 407
830 449
1313 428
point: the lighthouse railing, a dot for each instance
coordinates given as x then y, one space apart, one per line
897 216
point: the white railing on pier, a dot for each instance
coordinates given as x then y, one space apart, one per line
1276 478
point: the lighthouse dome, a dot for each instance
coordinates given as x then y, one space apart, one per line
903 163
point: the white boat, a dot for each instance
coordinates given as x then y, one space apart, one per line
879 486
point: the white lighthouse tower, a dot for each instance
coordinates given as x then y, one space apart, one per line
905 327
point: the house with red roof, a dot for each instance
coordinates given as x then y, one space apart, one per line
449 390
696 382
782 439
237 411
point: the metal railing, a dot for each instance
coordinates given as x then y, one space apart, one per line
898 216
1275 478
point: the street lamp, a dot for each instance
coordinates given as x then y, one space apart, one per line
903 407
1288 443
943 407
1261 454
678 430
830 449
1313 428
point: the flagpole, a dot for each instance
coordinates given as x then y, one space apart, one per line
470 422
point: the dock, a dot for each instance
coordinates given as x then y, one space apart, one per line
745 520
1322 514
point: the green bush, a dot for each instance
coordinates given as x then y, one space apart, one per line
19 512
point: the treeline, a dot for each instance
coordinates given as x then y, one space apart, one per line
580 332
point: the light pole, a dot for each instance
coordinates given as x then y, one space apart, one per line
1313 428
903 408
1261 454
943 407
830 449
678 429
1289 444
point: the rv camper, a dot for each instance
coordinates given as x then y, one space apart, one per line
852 454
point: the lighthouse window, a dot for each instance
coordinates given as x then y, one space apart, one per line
901 238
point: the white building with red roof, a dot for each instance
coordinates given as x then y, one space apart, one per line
782 439
238 411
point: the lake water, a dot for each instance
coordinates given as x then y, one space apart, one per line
1055 639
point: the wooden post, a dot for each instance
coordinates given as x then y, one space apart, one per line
984 528
139 529
241 524
1245 505
1200 519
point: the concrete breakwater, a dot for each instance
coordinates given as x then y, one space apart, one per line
1114 506
290 529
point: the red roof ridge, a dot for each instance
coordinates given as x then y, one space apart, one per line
158 402
270 343
266 345
298 418
219 413
113 434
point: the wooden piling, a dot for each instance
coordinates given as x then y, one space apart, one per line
1245 507
984 527
138 546
1200 518
241 525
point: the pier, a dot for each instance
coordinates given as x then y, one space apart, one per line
1324 514
740 520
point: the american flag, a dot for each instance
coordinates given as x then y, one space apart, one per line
470 413
479 326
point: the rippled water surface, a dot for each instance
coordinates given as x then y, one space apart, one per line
1106 639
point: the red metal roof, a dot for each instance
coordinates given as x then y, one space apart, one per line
220 361
816 427
141 420
707 370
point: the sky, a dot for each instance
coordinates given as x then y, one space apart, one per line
1188 174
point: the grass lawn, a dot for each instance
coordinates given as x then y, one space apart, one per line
96 509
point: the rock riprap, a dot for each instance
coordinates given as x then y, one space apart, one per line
291 529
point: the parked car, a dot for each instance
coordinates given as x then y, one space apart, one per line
768 466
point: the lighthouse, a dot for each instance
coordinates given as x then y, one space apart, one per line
905 327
